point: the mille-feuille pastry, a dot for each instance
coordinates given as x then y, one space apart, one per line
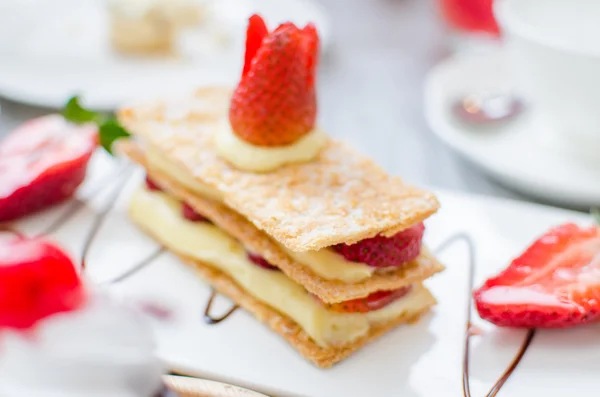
312 238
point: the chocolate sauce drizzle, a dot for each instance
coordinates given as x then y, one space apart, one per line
76 205
99 220
208 318
122 175
69 212
136 268
513 365
72 209
467 338
101 216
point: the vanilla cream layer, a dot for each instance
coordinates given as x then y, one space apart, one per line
248 157
158 161
161 216
325 262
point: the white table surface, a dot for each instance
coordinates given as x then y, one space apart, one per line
371 91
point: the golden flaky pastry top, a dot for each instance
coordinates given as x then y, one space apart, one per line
340 197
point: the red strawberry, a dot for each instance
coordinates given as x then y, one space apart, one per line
260 261
37 280
191 215
555 283
275 101
311 47
42 163
255 34
151 185
375 301
382 251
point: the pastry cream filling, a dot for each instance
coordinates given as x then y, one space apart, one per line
248 157
332 266
160 214
158 161
325 262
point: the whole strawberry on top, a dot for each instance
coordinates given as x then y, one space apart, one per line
555 283
275 102
42 163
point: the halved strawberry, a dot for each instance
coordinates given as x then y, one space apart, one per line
555 283
275 101
381 251
151 185
42 163
377 300
37 280
260 261
191 215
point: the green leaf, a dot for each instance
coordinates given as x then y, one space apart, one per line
109 131
76 113
596 215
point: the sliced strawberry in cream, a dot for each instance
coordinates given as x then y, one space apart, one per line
42 163
375 301
151 185
191 215
380 251
260 261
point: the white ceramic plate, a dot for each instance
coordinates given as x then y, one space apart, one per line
422 360
50 50
521 153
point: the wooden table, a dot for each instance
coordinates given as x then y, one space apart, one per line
371 91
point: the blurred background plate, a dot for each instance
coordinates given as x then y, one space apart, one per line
522 153
50 50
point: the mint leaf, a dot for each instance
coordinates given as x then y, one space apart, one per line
76 113
596 215
109 131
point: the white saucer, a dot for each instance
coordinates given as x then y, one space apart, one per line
52 50
520 153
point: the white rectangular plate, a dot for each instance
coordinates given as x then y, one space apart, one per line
423 360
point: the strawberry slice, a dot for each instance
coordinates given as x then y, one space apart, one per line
555 283
255 34
311 48
380 251
191 215
275 101
42 163
151 185
37 280
375 301
260 261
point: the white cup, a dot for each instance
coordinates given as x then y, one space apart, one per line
554 46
